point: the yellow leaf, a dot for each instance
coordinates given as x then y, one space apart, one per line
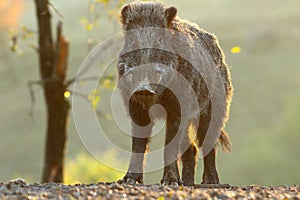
161 198
107 83
170 194
67 94
95 102
13 48
24 28
89 27
83 21
94 98
235 50
102 1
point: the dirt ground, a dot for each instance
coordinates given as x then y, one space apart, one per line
19 189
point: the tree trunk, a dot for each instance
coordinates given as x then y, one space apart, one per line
58 109
53 66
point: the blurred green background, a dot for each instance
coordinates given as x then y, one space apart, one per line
265 113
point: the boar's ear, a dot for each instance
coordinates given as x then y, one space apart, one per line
170 13
124 13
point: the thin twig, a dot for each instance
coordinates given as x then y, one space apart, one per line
84 97
70 82
91 78
90 61
56 10
35 48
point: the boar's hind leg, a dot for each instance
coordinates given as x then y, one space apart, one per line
188 164
210 174
171 173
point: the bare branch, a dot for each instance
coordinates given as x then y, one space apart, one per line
92 78
30 85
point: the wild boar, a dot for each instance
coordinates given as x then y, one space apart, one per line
149 75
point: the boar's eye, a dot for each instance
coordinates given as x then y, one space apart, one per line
121 66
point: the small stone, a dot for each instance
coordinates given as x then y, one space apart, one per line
18 181
132 192
115 186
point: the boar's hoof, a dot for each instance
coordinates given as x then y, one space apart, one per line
131 181
133 178
188 183
211 180
170 182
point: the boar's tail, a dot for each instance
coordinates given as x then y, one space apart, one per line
224 141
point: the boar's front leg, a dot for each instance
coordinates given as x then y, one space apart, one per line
141 131
171 173
135 170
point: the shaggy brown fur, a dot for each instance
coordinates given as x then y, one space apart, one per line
155 14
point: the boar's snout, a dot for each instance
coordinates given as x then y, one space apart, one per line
144 95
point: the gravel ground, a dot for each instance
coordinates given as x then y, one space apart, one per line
19 189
